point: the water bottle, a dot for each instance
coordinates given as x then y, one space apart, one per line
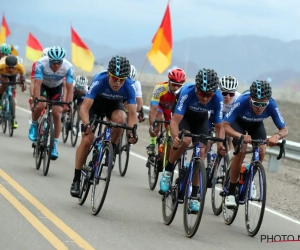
242 173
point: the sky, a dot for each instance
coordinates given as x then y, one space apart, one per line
133 23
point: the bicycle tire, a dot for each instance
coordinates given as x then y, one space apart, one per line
107 146
174 191
123 148
190 232
48 150
74 137
4 120
217 210
230 220
38 151
11 115
252 233
65 130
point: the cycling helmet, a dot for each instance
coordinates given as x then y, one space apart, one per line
45 52
80 82
5 49
119 66
207 80
56 53
133 72
228 83
260 90
11 61
177 75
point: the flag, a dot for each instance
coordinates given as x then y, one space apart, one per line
82 57
14 51
33 49
160 54
5 32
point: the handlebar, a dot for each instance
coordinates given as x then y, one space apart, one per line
114 125
51 102
240 143
201 137
12 83
156 122
281 146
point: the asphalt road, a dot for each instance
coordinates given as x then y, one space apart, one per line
37 212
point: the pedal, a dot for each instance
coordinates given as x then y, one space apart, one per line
161 192
33 145
222 193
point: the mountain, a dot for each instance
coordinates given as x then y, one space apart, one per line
246 57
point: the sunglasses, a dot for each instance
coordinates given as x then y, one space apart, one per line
11 67
206 94
176 84
228 93
56 62
117 79
259 104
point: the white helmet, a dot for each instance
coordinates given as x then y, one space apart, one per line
45 52
133 72
80 82
228 83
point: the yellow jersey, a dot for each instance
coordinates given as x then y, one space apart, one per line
18 70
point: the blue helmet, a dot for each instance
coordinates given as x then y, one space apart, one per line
119 66
56 53
260 90
207 80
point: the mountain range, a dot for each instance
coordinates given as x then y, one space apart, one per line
246 57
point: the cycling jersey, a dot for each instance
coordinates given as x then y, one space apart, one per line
228 106
162 96
53 79
242 109
33 70
19 69
189 104
138 90
101 88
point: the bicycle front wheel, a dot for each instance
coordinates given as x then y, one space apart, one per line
65 129
11 115
255 199
102 178
48 145
39 148
124 149
191 219
75 121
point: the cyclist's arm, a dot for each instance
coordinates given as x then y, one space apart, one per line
22 72
152 114
139 95
174 124
139 102
84 110
157 93
278 120
131 114
32 80
38 79
69 84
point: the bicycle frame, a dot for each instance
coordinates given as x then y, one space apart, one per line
6 100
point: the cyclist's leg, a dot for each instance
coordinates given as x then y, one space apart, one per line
3 87
174 155
82 152
241 127
14 101
36 113
151 147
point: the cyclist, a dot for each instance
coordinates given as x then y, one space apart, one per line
105 97
190 112
9 70
80 89
162 99
247 114
48 83
138 94
44 53
4 51
228 86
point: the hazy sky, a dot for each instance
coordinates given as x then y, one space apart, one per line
113 21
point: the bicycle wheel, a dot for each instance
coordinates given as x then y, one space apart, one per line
65 130
75 121
217 183
170 199
104 166
39 151
11 115
229 214
124 149
252 196
188 215
48 136
4 117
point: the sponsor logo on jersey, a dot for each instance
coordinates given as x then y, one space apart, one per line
234 106
182 100
279 115
93 84
157 91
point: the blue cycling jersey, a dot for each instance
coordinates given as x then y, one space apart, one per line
242 108
100 87
188 100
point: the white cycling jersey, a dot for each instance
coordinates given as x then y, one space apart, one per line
138 87
50 78
86 88
228 106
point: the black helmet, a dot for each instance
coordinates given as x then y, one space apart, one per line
11 61
207 80
260 90
119 66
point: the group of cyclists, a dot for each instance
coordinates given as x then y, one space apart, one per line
116 94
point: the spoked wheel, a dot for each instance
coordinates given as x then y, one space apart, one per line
170 199
218 180
4 119
65 129
152 171
255 199
229 214
102 178
191 219
75 121
124 150
48 145
39 149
